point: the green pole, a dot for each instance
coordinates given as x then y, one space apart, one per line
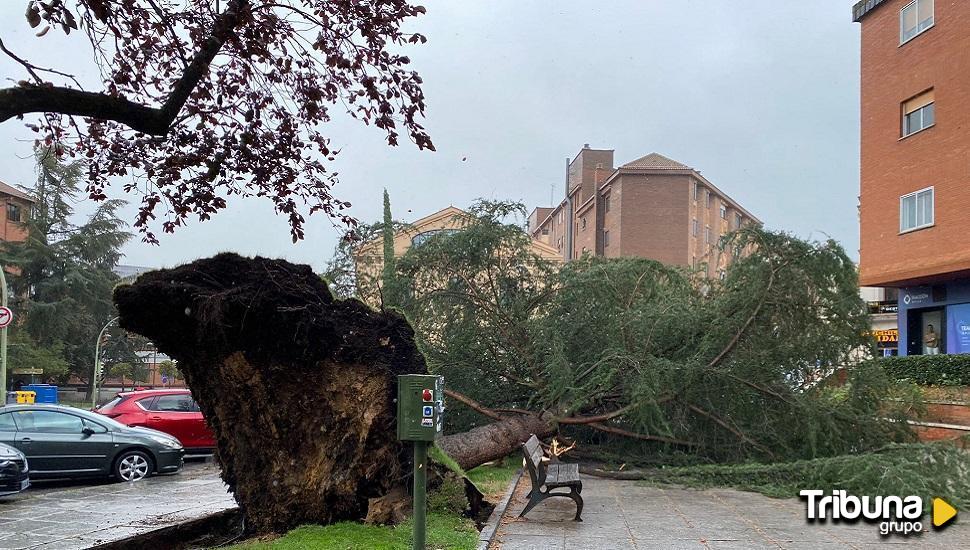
420 492
3 341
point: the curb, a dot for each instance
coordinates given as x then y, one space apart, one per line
491 526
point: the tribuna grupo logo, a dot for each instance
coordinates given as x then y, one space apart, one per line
895 514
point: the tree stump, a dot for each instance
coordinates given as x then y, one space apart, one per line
298 387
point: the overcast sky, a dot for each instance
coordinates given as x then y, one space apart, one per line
761 96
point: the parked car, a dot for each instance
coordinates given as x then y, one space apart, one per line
172 411
13 471
64 442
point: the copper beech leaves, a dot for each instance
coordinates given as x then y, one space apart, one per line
203 100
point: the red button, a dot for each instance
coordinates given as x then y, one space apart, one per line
426 395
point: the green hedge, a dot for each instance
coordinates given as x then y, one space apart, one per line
929 370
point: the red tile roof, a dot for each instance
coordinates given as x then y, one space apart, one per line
14 192
655 161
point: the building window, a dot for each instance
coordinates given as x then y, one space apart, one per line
697 191
560 216
696 228
918 113
916 210
737 221
915 18
723 212
708 203
13 212
606 203
606 238
707 235
559 243
545 230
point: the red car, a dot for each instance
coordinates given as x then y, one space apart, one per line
172 411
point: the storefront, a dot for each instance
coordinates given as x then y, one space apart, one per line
935 319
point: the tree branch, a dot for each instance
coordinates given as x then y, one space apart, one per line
474 405
154 121
596 418
646 437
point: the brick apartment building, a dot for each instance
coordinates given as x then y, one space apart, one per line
915 168
13 215
652 207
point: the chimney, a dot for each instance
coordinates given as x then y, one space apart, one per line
585 146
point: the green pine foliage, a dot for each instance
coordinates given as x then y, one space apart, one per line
925 470
61 277
727 369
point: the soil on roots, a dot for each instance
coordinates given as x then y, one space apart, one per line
298 387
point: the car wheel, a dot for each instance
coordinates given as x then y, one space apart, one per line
133 466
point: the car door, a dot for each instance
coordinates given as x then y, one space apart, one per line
56 443
202 435
173 414
8 429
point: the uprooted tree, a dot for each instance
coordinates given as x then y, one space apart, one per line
298 387
632 349
202 100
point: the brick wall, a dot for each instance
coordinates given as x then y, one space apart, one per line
938 156
655 218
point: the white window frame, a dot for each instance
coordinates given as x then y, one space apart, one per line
915 3
695 228
738 219
723 211
914 195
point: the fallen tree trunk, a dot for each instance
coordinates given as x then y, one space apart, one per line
494 441
298 388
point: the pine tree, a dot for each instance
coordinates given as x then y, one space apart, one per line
388 276
61 277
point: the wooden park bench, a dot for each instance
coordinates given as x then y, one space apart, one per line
550 476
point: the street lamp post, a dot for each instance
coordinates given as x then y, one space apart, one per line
97 363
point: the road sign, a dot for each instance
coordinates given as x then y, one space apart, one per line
6 316
28 371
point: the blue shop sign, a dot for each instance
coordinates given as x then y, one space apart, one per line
918 296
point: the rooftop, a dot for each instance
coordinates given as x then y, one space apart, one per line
14 192
655 161
863 7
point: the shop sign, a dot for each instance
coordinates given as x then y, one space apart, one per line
918 296
887 338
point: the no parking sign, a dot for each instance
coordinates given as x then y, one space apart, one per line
6 316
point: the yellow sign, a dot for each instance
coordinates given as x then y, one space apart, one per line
942 512
888 335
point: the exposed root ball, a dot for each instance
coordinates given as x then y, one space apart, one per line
297 386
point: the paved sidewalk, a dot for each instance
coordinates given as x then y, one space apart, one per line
81 516
621 515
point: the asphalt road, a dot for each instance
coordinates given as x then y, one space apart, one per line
70 514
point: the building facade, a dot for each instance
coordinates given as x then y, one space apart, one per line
914 201
13 216
369 258
652 207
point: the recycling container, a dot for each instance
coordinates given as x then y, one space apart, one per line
46 393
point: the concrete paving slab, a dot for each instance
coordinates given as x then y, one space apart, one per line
622 514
